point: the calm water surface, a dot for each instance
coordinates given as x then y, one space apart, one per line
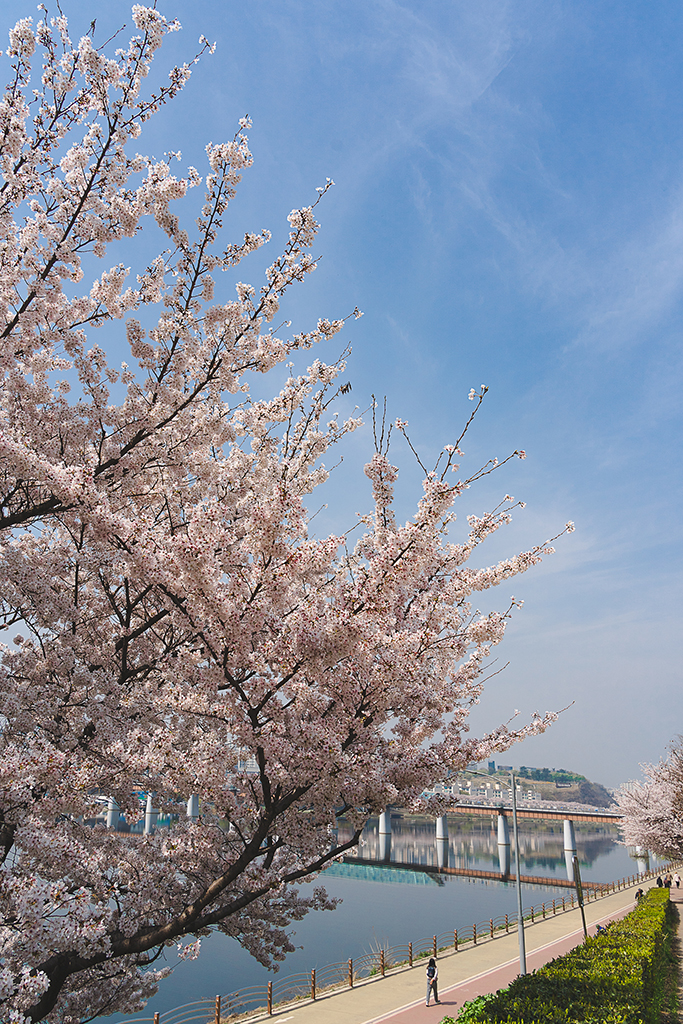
393 906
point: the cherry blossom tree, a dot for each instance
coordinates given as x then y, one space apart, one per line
173 630
653 809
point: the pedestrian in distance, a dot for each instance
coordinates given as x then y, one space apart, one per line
677 880
667 881
660 883
432 978
639 895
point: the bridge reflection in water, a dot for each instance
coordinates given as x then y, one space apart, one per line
475 843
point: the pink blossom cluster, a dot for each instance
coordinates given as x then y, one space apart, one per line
167 615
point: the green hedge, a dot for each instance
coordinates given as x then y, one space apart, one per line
615 978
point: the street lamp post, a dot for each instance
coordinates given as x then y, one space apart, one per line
518 871
520 914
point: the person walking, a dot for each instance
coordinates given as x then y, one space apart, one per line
677 880
432 978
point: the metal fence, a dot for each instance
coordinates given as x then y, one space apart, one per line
260 1001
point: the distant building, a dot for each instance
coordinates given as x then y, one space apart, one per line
247 763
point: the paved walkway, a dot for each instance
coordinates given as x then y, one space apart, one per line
476 970
677 898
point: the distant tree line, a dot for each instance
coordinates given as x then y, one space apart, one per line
550 775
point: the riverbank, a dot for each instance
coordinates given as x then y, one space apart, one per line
399 997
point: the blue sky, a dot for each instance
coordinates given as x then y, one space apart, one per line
508 209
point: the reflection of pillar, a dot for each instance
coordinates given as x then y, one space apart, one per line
193 807
503 845
151 816
385 836
569 847
112 813
442 841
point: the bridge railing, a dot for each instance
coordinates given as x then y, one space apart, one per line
260 1001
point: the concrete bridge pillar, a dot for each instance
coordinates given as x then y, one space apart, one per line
442 841
642 860
503 845
193 807
151 816
112 813
569 847
385 836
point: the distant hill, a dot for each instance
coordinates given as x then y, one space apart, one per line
561 784
584 792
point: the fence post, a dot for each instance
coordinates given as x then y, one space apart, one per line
156 1018
313 983
410 954
544 911
270 999
381 961
491 926
554 911
474 934
435 945
218 1010
532 914
350 973
455 939
563 904
507 925
572 901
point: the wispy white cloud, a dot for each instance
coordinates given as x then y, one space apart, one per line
619 280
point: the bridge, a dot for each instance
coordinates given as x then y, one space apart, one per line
502 813
540 814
